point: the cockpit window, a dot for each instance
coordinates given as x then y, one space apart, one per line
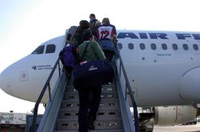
39 50
50 48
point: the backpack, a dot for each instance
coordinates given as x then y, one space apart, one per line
69 34
67 56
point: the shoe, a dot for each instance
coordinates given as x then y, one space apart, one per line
91 123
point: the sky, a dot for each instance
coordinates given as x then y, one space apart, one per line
25 24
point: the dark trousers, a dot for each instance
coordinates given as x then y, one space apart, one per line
68 71
109 54
89 98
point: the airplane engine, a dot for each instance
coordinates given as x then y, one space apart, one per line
173 115
190 86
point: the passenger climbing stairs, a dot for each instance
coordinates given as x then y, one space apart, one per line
108 116
61 114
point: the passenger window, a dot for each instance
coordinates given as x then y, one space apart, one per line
130 46
153 46
142 46
164 46
195 46
38 50
120 46
185 46
50 48
175 46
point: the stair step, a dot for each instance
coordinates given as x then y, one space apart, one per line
101 114
63 124
103 130
104 88
74 104
112 85
108 115
75 96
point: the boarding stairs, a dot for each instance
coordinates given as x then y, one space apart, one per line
114 113
108 116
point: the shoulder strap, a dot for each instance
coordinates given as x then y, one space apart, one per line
85 50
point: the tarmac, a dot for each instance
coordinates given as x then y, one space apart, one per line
178 128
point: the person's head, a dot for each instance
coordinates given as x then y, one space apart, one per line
87 35
92 16
106 21
84 24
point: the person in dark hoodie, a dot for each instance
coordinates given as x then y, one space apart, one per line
77 38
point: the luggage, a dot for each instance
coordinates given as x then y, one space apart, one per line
93 73
67 56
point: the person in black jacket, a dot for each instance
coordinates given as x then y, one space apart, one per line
77 38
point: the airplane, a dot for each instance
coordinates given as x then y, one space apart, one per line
163 68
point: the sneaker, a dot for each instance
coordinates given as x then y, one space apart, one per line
91 123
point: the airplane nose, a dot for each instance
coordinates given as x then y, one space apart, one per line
5 81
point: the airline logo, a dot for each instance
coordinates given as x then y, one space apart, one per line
141 35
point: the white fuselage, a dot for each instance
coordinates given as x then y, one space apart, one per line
159 73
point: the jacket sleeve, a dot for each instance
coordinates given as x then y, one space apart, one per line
98 51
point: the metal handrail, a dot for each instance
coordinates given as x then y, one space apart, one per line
129 91
46 85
